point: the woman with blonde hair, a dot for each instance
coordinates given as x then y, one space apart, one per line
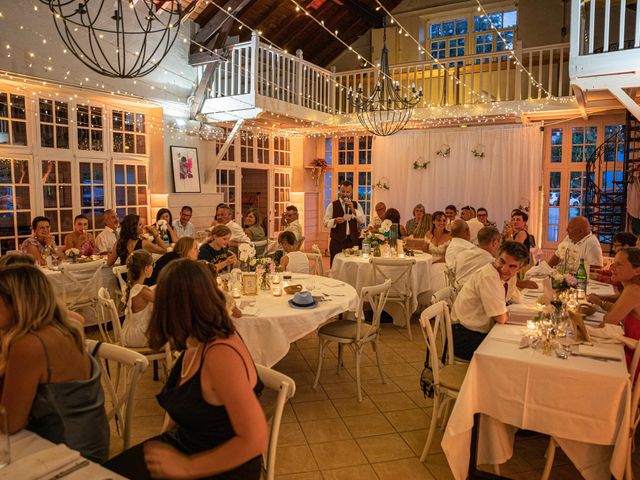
420 224
217 428
186 247
50 385
138 299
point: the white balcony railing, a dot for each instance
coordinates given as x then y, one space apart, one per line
254 70
605 36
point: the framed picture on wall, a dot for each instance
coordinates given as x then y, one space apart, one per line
186 174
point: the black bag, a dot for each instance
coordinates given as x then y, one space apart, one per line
426 381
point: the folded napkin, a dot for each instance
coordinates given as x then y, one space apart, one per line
599 352
40 464
610 333
249 311
520 313
541 270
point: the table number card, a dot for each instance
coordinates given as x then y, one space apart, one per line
250 283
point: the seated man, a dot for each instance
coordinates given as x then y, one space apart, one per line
376 218
470 261
224 216
483 218
483 299
292 223
460 241
579 243
109 236
468 214
183 225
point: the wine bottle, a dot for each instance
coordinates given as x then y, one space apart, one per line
581 277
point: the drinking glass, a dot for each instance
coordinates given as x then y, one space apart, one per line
5 451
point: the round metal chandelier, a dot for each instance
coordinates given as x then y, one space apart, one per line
117 38
385 111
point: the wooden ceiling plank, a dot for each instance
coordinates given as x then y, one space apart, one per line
216 22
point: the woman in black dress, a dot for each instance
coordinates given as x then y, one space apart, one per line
217 428
131 239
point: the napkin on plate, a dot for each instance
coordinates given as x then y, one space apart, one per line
599 352
541 270
610 334
40 464
520 313
249 311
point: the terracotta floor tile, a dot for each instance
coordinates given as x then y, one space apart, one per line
348 407
368 425
387 402
339 454
295 459
319 431
306 393
405 469
301 476
358 472
315 410
290 435
382 448
405 420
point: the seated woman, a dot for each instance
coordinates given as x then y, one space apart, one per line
420 224
186 247
50 385
217 428
437 240
80 238
138 299
517 229
620 240
215 250
626 309
293 260
42 244
394 216
166 230
253 229
131 239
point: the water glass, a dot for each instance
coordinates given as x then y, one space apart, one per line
5 451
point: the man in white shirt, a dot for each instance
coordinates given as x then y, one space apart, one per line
451 213
343 216
376 219
470 261
224 216
468 214
459 242
109 236
482 302
292 223
579 243
183 226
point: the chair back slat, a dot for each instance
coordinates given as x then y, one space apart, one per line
286 389
446 294
81 282
376 296
132 364
397 270
316 267
109 313
436 330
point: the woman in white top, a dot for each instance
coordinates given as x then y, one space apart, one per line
138 299
437 241
294 260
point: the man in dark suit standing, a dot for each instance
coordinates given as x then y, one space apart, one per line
343 216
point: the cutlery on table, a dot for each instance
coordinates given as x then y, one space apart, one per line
70 470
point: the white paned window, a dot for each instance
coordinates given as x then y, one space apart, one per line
54 123
89 128
129 132
226 184
57 191
130 182
15 203
282 197
92 193
13 120
281 151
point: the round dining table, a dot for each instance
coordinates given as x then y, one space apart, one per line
358 272
269 324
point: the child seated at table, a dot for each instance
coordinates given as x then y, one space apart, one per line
293 260
138 299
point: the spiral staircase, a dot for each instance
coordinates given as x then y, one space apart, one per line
608 178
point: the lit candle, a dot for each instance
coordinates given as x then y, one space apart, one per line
365 255
531 325
276 290
235 292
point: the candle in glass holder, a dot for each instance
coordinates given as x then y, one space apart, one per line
400 247
531 326
235 291
276 289
365 254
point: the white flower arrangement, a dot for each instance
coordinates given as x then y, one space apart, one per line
385 226
72 253
444 151
147 236
247 252
162 225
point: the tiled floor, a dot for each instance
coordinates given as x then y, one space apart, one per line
327 434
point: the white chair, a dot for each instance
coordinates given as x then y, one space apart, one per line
399 271
109 314
261 247
356 334
80 283
131 364
446 294
122 285
447 376
633 423
316 267
285 388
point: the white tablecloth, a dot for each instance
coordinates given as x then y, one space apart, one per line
358 272
269 333
583 403
25 443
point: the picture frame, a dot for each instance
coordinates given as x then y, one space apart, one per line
186 169
249 283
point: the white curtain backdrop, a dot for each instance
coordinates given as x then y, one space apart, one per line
510 174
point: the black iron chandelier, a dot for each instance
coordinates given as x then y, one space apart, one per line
118 38
386 111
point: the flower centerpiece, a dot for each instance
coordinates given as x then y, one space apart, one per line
72 254
377 239
562 282
247 253
265 267
569 259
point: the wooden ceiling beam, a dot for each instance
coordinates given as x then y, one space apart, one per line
364 13
219 18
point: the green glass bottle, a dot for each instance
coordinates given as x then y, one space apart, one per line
581 277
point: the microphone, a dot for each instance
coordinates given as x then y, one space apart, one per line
347 210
